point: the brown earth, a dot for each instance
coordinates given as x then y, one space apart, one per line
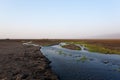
18 62
72 47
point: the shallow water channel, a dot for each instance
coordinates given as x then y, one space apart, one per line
82 64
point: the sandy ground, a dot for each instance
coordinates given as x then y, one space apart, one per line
20 62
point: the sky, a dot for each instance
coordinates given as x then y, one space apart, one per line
59 19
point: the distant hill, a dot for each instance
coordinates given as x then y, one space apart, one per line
108 36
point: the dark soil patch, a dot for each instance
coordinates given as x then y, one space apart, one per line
72 47
18 62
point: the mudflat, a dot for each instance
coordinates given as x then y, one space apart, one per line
22 62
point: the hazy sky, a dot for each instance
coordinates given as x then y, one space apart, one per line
59 18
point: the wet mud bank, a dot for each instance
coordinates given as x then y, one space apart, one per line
72 47
23 62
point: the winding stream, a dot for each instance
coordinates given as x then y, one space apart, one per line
82 65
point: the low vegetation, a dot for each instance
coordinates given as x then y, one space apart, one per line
96 47
82 59
101 49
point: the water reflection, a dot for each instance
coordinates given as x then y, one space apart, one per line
82 65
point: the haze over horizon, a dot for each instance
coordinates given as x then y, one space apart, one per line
64 19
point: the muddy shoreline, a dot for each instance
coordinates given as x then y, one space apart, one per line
72 47
23 62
